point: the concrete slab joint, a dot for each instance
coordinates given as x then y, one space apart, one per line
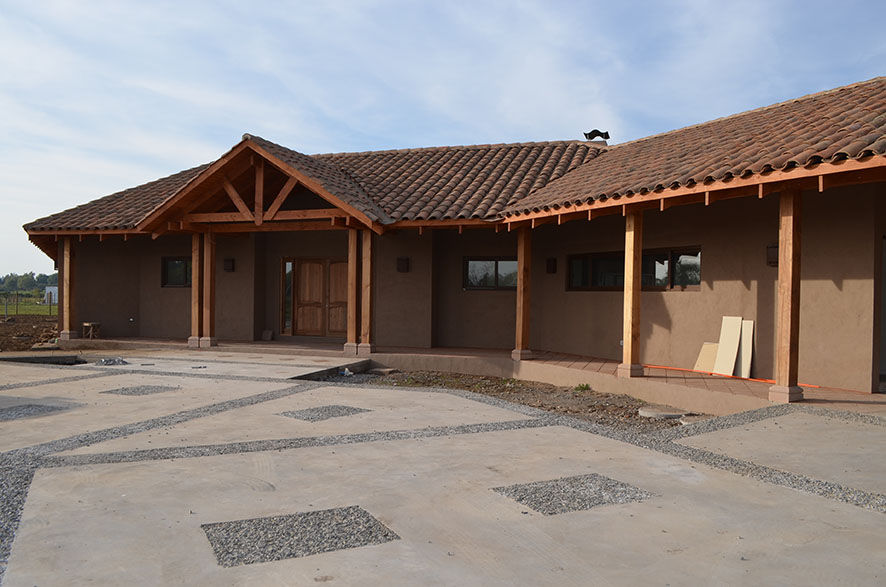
783 394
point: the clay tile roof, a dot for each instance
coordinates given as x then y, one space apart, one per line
119 211
475 181
847 122
335 180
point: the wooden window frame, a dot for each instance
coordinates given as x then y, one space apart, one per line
164 271
671 254
496 287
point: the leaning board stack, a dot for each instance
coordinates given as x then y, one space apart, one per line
732 355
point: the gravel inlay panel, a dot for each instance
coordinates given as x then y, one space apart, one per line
208 450
572 494
142 389
321 413
73 378
261 540
28 411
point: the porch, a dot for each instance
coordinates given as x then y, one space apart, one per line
693 391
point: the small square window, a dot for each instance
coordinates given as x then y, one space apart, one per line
579 272
608 272
175 272
655 271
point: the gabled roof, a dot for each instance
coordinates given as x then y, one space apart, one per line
333 178
844 123
492 181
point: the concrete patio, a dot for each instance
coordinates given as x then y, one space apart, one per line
158 472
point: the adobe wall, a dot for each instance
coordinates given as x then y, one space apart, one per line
403 314
837 300
471 318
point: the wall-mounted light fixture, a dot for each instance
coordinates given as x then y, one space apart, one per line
229 265
551 265
402 264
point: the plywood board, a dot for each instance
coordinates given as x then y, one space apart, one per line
727 351
745 349
706 357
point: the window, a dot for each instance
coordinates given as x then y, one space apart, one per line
659 270
175 272
490 273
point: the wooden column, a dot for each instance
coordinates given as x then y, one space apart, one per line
366 345
67 327
353 290
630 363
524 272
196 290
207 336
787 320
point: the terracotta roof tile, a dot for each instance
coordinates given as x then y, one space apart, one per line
847 122
473 181
122 210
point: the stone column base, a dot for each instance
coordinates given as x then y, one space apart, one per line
68 334
629 370
364 349
521 354
350 349
208 341
783 394
193 342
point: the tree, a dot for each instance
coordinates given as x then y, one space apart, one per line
27 282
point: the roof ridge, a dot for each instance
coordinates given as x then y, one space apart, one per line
751 111
598 144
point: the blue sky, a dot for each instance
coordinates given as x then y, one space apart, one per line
99 96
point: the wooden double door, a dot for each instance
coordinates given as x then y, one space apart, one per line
315 297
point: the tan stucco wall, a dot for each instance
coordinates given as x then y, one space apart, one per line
476 319
234 302
837 300
403 313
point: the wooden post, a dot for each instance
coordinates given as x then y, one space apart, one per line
524 275
207 337
350 347
196 290
67 331
366 346
630 363
259 191
787 324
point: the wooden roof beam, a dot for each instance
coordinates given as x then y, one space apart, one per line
280 198
236 199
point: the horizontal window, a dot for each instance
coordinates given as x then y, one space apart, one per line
490 273
175 272
659 270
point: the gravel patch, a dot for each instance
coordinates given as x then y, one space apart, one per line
28 411
14 485
142 389
724 422
274 538
572 494
321 413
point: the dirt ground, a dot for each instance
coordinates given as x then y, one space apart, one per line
618 411
20 333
